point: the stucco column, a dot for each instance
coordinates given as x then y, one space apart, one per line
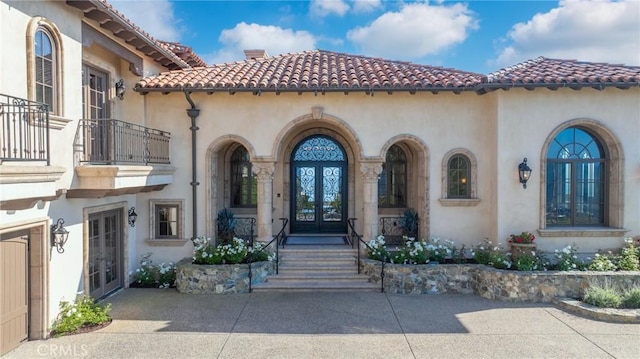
370 172
264 171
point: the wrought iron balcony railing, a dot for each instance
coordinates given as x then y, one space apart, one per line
112 142
24 135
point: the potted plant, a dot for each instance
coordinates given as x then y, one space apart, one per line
521 243
226 222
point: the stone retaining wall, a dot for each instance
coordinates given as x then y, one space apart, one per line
489 282
221 278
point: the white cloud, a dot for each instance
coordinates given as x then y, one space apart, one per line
324 8
155 17
599 31
275 40
415 31
364 6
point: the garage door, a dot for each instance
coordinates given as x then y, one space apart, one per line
13 290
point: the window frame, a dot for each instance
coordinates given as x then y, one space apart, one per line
36 25
251 187
465 179
472 180
154 222
573 164
389 175
614 207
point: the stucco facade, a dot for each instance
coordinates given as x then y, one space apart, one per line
494 130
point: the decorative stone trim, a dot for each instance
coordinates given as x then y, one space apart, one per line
462 202
58 122
490 283
221 278
583 232
165 242
603 314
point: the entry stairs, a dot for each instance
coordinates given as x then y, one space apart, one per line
315 268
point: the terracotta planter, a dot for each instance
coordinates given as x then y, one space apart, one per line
518 249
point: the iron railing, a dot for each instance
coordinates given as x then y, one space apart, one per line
24 135
278 239
394 230
245 229
111 142
357 238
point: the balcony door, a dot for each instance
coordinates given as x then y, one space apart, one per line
94 100
318 186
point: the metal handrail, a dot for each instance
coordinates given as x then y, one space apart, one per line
354 234
278 239
111 142
24 135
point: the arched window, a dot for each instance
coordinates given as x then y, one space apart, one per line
576 180
244 187
45 68
392 183
459 177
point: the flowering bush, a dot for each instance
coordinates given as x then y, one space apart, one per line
84 312
377 249
524 237
150 275
530 261
602 263
629 258
413 252
235 252
495 256
566 259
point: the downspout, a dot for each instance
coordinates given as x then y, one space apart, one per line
193 113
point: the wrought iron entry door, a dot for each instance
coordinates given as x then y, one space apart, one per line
319 187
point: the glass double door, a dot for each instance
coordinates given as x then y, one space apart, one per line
105 253
318 193
319 186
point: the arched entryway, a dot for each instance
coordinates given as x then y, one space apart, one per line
319 186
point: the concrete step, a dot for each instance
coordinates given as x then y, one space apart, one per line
306 286
318 277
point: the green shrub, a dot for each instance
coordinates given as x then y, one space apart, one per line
84 312
567 259
631 298
530 261
602 263
629 257
603 297
377 249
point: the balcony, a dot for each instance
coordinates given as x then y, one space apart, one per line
26 176
114 157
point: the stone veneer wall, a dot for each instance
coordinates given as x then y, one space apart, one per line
489 282
221 278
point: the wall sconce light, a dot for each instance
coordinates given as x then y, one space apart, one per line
524 172
59 235
133 216
120 88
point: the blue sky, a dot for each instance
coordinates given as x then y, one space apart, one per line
478 36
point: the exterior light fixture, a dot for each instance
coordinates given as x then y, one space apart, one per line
524 172
133 216
59 235
120 88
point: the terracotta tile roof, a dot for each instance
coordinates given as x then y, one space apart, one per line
555 73
111 19
185 53
312 71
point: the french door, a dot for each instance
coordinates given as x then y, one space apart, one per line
105 253
319 187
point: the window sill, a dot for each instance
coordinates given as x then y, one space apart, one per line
57 122
459 202
166 242
582 232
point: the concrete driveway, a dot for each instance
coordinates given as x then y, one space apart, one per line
156 323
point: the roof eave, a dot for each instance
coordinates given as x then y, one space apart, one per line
318 90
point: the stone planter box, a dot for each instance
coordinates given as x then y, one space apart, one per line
219 279
488 282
